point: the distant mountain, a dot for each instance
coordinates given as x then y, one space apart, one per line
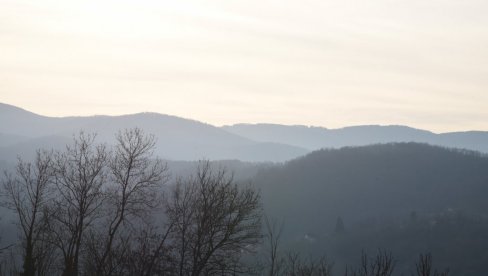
377 181
313 138
178 138
22 131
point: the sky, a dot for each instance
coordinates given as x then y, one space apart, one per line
421 63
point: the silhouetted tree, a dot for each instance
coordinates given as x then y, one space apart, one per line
27 193
132 192
295 265
273 236
214 222
79 176
150 253
291 263
424 267
380 265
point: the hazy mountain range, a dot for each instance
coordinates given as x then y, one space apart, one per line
408 197
178 138
313 138
21 132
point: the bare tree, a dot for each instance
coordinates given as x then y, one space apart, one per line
424 267
148 253
214 222
27 193
208 223
79 176
291 263
295 265
380 265
273 235
136 182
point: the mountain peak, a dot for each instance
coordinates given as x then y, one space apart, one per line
9 110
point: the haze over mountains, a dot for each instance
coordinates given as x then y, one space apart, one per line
313 138
178 138
406 197
21 132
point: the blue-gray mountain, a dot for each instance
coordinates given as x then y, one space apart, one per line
21 132
313 138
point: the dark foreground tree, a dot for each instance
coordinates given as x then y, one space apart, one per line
79 177
27 193
424 267
291 263
136 180
102 212
275 263
213 223
380 265
295 265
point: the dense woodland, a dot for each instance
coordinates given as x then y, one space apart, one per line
391 209
408 198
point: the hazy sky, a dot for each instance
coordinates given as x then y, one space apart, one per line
422 63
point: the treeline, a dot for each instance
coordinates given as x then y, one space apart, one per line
280 259
95 210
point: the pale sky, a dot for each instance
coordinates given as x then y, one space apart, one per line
422 63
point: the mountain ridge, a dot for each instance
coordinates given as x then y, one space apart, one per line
189 139
314 138
177 138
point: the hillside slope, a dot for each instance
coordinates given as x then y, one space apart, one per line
378 181
177 138
406 198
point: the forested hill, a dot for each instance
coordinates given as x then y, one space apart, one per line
406 198
378 181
